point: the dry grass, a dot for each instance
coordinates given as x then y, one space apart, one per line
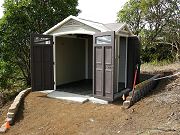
150 68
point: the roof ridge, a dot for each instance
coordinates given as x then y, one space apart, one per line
116 23
91 21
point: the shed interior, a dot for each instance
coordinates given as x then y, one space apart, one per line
74 63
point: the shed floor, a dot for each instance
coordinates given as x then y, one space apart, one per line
83 87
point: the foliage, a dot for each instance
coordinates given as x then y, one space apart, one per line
22 17
6 72
157 22
132 14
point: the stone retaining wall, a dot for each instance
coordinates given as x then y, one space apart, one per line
140 91
13 109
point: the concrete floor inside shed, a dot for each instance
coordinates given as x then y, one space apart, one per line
83 87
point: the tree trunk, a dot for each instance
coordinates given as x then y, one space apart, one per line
178 55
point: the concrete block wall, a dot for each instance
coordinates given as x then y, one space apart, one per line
141 90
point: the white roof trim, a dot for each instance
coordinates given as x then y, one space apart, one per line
65 20
97 26
73 32
57 25
125 25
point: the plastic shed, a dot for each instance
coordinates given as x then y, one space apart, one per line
77 49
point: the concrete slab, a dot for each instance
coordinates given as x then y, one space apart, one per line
46 91
98 101
68 96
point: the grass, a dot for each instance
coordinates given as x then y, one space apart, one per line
155 67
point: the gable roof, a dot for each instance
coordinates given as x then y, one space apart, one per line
117 27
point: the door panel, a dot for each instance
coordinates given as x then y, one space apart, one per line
99 71
103 65
98 55
42 62
108 69
48 67
108 82
36 61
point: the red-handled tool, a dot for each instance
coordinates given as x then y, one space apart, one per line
135 76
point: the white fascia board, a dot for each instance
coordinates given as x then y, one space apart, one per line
74 32
125 25
57 25
121 28
66 20
122 34
81 21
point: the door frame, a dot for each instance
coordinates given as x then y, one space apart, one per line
118 56
86 54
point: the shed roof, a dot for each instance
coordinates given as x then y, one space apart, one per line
117 27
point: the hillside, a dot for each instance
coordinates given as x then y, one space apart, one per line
157 113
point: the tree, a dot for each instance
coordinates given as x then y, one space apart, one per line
22 17
132 14
153 20
172 31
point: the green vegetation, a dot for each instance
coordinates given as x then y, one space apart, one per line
157 22
22 17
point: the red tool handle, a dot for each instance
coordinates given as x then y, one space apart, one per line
135 76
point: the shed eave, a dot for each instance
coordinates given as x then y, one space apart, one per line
66 20
128 30
57 25
74 32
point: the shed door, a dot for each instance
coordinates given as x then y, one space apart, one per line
103 61
42 62
133 60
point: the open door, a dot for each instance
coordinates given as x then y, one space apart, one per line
42 62
133 60
103 65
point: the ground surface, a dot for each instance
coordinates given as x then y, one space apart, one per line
156 114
